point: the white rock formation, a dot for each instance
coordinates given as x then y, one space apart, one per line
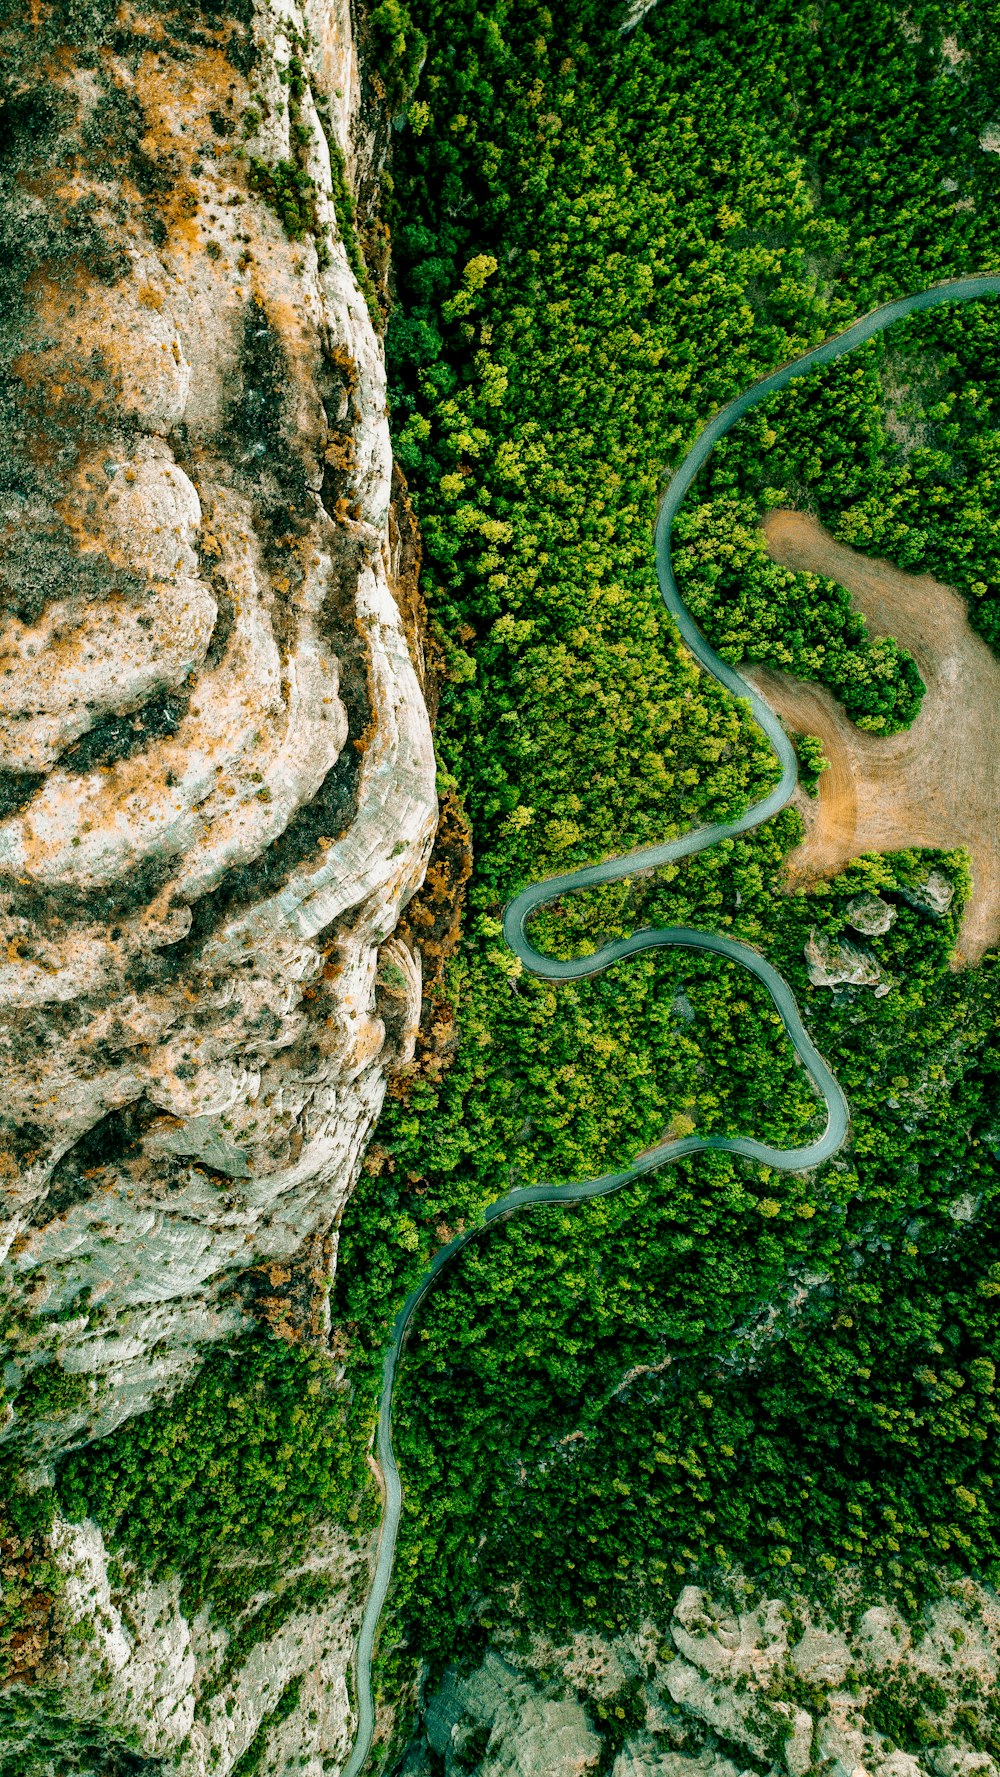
644 1756
217 795
166 1687
833 964
870 914
720 1691
515 1730
934 895
233 792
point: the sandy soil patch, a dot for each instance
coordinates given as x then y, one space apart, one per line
938 784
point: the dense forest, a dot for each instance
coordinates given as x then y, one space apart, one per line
587 268
598 239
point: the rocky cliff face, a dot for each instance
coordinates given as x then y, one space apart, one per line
216 772
736 1686
217 767
138 1685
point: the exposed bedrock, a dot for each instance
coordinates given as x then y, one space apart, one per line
216 771
142 1686
718 1687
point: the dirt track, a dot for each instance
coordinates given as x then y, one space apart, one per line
938 784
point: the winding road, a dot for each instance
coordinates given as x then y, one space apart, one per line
519 910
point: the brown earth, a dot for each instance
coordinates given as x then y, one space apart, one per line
937 784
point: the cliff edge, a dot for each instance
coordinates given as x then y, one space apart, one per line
217 788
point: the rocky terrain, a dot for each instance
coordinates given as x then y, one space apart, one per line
217 786
740 1684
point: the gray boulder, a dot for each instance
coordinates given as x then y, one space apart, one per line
870 915
834 963
935 895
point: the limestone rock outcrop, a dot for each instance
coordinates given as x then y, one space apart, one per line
497 1721
934 895
839 964
714 1688
217 782
142 1686
870 915
217 798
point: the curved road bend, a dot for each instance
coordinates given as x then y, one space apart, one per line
516 916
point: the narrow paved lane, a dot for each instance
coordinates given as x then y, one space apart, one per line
783 1159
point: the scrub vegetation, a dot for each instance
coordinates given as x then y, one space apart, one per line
30 1578
247 1457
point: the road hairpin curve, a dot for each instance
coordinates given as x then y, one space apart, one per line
524 904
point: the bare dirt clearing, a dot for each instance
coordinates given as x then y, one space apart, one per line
938 784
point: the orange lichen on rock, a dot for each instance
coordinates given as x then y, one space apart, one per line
219 786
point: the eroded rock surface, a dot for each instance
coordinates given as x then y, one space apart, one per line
216 772
871 916
497 1721
143 1687
715 1688
839 964
217 798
